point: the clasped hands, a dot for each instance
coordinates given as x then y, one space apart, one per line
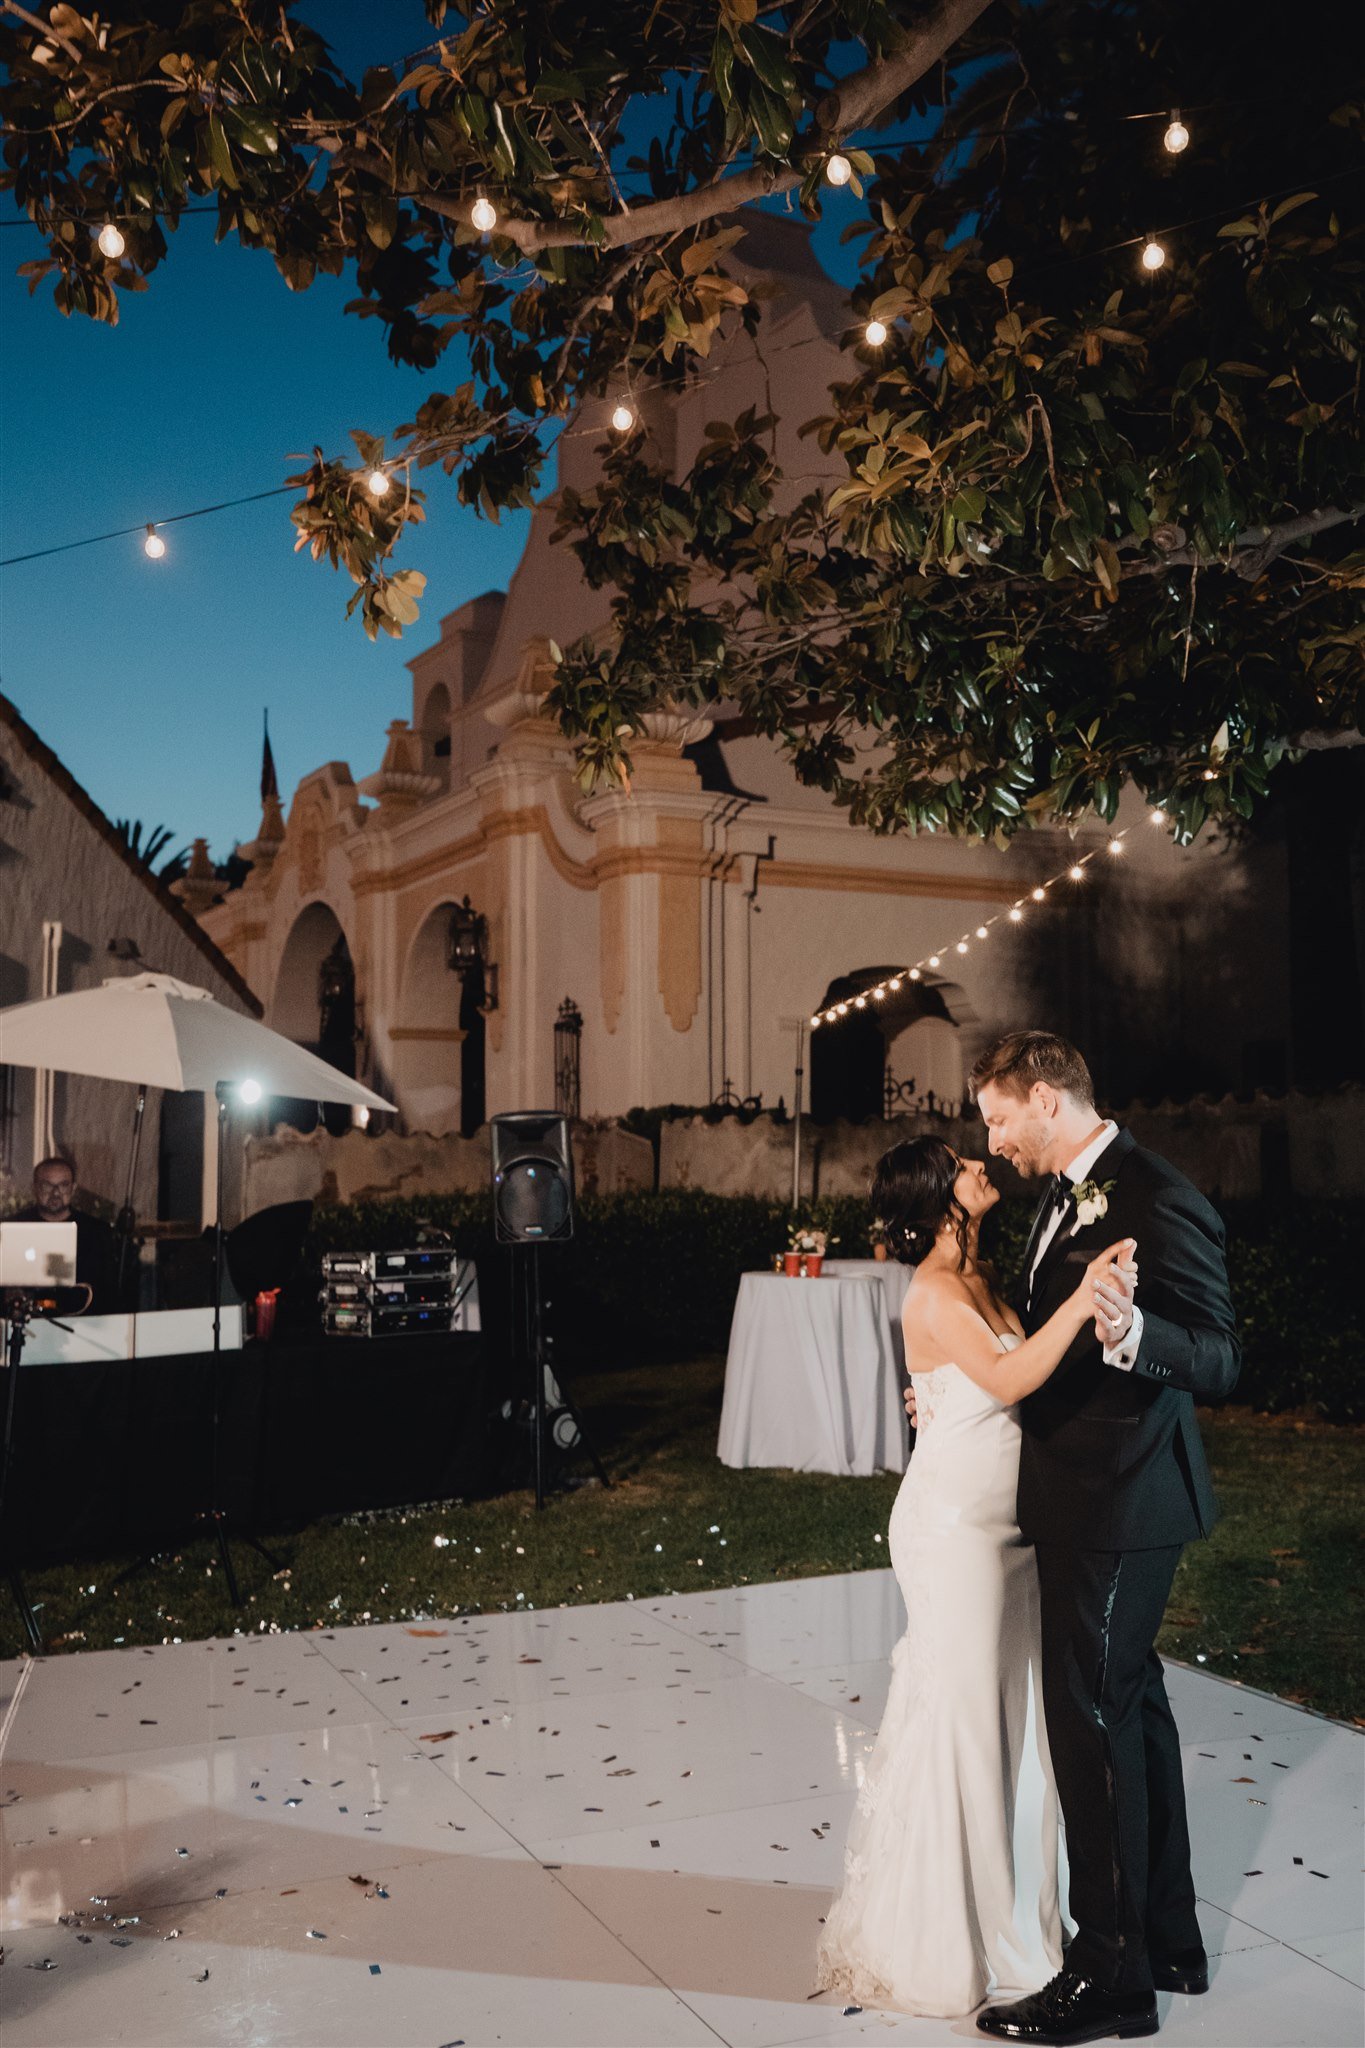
1112 1279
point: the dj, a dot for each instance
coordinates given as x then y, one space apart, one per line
54 1184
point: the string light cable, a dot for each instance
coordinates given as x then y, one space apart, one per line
928 963
874 334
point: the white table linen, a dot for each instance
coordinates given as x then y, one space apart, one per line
811 1381
895 1281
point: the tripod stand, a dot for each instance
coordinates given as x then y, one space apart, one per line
214 1512
20 1310
534 1347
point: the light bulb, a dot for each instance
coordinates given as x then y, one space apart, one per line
860 1002
1016 915
250 1091
915 974
842 1009
1038 895
111 242
1077 873
154 545
1116 846
981 931
816 1022
483 215
962 945
1157 817
838 169
1177 136
1153 254
623 416
379 483
877 994
1210 775
874 334
934 960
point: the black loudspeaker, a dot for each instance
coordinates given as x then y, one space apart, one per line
532 1177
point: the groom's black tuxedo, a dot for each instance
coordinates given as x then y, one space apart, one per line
1112 1460
1112 1483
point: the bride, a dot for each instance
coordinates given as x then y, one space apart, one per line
950 1871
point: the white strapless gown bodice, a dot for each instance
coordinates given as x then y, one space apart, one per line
951 1866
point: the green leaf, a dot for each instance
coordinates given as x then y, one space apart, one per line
1001 271
767 58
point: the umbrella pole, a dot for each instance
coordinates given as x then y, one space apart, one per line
218 1232
127 1215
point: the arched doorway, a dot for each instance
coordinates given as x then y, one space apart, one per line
854 1073
314 1003
428 1038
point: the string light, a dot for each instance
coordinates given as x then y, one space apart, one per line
1116 846
838 169
816 1021
915 974
962 945
860 1002
483 215
1177 136
110 242
1016 915
623 416
1153 254
981 931
379 483
875 332
154 545
1039 894
1157 816
934 960
1076 873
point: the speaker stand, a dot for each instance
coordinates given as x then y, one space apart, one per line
536 1349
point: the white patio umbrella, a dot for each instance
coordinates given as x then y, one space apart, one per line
155 1031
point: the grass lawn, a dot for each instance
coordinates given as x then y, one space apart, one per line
1275 1598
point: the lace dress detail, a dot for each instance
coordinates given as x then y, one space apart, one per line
950 1883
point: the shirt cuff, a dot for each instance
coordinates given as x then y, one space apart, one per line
1123 1355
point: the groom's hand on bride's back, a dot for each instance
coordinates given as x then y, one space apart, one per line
910 1408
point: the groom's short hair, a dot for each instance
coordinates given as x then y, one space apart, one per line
1025 1057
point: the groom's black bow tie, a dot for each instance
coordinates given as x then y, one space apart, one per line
1058 1195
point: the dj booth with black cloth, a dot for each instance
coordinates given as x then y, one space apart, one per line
115 1456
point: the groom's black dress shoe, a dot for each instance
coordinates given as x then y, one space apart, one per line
1072 2008
1187 1971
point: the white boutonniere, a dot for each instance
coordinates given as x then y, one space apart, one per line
1092 1202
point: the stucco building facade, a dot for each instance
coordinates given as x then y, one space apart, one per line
695 921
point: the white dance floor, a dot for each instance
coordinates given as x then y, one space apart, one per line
615 1824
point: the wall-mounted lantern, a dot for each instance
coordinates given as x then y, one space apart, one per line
467 951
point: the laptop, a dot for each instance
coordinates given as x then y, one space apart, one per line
37 1256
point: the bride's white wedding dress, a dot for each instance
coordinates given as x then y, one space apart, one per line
951 1867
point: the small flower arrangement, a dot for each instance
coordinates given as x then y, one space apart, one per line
807 1237
1092 1201
876 1232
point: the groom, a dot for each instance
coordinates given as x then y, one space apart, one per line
1112 1484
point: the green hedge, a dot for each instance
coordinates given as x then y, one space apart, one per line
652 1277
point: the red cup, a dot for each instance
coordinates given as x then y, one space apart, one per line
791 1264
814 1261
265 1314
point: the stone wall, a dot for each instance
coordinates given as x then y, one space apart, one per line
358 1167
1307 1146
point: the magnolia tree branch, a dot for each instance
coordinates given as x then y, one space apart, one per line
858 101
1255 550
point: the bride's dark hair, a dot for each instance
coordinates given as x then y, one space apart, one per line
912 1192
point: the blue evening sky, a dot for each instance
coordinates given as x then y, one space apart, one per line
148 678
